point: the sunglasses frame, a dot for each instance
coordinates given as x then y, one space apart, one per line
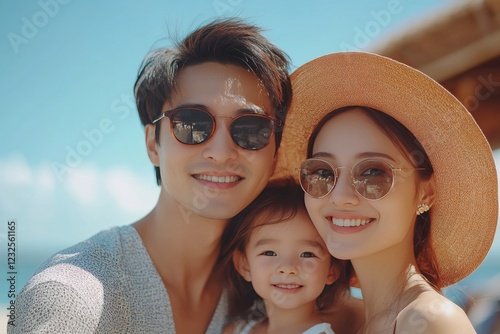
336 174
275 124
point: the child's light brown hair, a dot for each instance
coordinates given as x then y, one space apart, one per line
278 202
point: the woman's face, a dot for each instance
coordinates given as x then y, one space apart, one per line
383 225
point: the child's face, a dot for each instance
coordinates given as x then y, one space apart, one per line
288 262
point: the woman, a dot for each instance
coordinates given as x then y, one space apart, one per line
399 179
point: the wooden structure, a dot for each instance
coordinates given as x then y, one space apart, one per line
458 46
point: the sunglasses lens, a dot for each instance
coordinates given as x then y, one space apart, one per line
317 178
192 126
252 132
372 179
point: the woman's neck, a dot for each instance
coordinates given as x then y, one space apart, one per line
389 281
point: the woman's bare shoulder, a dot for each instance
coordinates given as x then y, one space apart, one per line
431 313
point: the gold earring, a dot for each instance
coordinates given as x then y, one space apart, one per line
421 208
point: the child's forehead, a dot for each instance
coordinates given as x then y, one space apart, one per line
281 219
298 229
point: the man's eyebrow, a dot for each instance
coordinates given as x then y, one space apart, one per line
252 110
240 111
190 105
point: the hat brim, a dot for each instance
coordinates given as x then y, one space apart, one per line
465 213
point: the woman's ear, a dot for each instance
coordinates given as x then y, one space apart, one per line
151 144
427 191
241 264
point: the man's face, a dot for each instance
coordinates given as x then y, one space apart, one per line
217 178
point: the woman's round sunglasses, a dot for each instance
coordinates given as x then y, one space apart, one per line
194 126
372 179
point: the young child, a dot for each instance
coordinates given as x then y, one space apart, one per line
280 262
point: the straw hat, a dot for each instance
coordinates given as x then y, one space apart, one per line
465 213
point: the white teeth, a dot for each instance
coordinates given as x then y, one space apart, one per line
287 286
350 222
217 179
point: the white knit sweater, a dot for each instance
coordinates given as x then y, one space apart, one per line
106 284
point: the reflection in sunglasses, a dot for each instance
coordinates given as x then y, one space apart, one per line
371 178
193 126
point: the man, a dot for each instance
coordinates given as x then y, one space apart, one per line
212 107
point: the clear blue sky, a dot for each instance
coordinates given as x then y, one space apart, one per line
72 155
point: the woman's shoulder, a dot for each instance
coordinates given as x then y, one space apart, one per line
430 313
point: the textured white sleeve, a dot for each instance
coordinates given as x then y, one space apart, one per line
53 307
61 299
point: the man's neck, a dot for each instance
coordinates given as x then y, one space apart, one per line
184 252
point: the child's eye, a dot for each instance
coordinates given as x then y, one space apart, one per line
307 254
268 253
